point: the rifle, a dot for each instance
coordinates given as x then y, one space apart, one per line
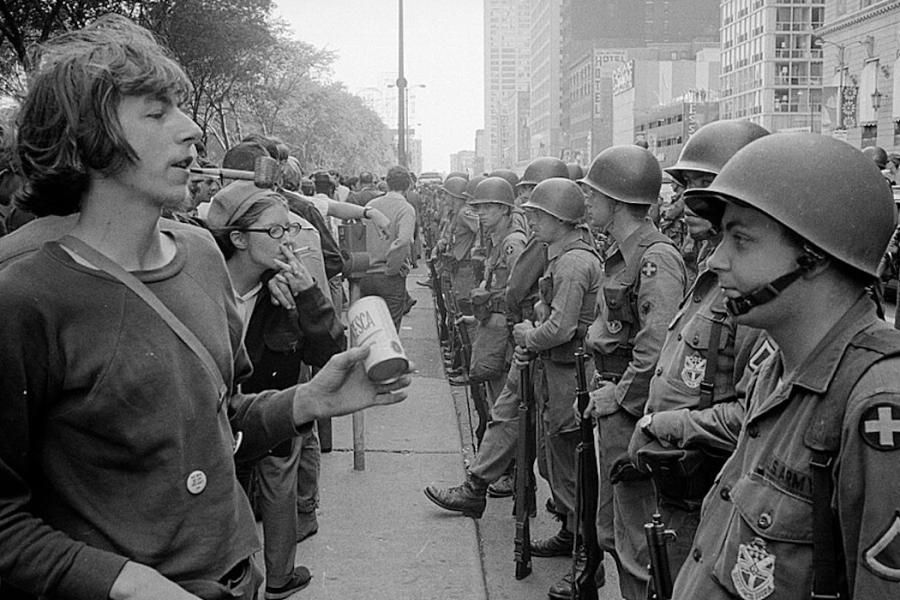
438 293
525 492
462 350
587 487
660 574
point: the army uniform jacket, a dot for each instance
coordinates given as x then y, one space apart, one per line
755 534
569 289
683 363
637 335
505 246
460 233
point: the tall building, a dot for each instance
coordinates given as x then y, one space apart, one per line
546 62
463 161
861 58
506 66
771 72
597 36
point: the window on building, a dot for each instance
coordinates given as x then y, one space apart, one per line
897 133
869 135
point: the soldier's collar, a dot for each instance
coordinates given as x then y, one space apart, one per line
817 371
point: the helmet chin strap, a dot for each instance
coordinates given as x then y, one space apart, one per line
805 262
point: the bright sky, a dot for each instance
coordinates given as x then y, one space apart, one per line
443 50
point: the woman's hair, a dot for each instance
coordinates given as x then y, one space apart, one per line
68 124
291 174
247 219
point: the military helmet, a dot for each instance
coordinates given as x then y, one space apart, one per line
712 145
543 168
576 171
455 187
472 184
627 173
493 190
509 176
459 174
876 154
822 189
560 197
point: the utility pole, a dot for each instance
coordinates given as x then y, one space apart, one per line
401 97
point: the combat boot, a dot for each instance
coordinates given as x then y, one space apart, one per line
560 544
562 589
468 498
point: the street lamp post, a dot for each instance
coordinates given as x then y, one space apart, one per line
401 96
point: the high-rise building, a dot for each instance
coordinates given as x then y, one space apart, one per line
546 95
596 36
861 58
771 71
506 66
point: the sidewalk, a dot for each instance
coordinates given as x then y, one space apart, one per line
379 536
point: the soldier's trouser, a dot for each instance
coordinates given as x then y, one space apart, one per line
308 474
561 434
277 477
498 446
633 502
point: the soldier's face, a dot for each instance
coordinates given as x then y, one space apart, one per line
524 192
545 226
490 214
600 208
754 251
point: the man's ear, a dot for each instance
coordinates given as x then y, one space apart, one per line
813 264
238 239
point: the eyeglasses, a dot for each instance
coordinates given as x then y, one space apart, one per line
276 232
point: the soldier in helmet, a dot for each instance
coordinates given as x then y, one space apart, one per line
568 295
880 157
510 176
694 401
494 202
644 279
486 474
806 506
458 237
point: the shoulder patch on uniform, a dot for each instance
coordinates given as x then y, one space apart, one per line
883 556
649 268
509 249
879 426
765 350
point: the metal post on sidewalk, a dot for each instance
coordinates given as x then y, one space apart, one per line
359 427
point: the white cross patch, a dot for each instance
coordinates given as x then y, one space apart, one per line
879 425
648 269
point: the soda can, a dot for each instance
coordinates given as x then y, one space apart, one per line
371 326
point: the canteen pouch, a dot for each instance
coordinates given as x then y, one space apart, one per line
618 304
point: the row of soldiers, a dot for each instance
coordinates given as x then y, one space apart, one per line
752 410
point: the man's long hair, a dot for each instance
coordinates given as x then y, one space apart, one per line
68 125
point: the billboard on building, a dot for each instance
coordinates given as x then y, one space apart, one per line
623 78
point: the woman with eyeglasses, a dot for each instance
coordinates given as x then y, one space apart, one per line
288 323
